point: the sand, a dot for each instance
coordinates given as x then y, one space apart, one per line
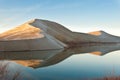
40 34
24 31
96 33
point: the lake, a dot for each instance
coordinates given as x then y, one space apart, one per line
85 62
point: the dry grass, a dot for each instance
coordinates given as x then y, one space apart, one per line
109 78
4 72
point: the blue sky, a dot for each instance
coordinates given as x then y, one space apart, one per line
77 15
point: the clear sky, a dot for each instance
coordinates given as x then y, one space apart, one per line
77 15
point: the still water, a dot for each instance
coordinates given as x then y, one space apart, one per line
85 62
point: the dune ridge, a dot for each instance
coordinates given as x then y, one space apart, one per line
41 34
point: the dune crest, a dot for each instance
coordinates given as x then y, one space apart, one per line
96 33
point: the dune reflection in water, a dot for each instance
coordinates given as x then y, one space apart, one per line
42 63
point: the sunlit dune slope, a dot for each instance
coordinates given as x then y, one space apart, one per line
24 31
96 33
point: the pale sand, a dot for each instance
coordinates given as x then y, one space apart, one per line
96 33
24 31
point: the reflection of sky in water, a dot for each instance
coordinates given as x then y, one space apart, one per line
79 66
83 66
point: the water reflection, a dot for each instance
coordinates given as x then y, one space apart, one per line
26 60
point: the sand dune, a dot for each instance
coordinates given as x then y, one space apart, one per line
40 34
96 33
24 31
